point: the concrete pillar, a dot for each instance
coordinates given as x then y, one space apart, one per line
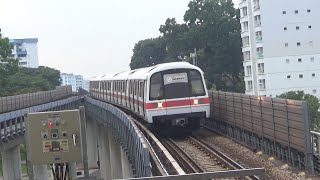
40 172
104 153
115 155
11 163
126 166
92 144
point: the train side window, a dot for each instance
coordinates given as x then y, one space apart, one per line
141 89
156 89
197 88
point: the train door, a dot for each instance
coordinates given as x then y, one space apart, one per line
136 96
127 91
141 99
176 92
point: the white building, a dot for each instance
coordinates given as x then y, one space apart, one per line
86 84
27 52
281 46
76 81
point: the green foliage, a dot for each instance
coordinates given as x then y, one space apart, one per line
27 80
148 52
8 65
313 105
210 26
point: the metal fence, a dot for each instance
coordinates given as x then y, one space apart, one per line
276 126
12 124
12 103
125 131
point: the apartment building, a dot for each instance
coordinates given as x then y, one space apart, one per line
27 52
281 46
76 81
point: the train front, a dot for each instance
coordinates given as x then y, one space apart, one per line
177 97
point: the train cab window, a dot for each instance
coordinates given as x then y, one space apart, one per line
156 89
176 84
197 88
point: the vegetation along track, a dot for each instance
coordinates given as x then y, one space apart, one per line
195 155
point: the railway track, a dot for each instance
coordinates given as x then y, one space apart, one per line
179 156
195 156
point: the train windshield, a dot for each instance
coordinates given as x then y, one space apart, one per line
196 83
156 90
177 83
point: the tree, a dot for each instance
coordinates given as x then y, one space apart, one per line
28 80
8 65
213 28
313 105
148 52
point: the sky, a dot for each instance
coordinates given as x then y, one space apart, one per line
87 37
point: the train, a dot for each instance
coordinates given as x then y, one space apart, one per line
166 95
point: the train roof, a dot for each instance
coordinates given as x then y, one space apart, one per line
144 73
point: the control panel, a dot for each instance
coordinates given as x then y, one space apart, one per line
54 137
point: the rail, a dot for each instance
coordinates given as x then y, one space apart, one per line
12 103
125 130
211 175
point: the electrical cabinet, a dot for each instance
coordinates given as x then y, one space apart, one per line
54 137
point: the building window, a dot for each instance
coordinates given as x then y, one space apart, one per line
250 87
309 10
287 61
262 84
245 41
299 60
259 52
312 59
284 12
22 55
288 76
311 43
298 44
309 26
257 20
286 44
246 56
249 73
261 68
314 91
313 75
245 26
258 36
296 11
244 11
285 28
297 27
300 76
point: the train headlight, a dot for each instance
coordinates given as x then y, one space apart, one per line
195 101
159 104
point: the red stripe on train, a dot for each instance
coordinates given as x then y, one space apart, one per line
177 103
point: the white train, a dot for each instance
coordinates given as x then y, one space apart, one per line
165 95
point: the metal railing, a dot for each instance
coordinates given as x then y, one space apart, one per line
125 131
12 124
12 103
278 127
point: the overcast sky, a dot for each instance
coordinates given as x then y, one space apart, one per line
87 37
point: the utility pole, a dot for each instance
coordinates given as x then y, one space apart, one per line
194 57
